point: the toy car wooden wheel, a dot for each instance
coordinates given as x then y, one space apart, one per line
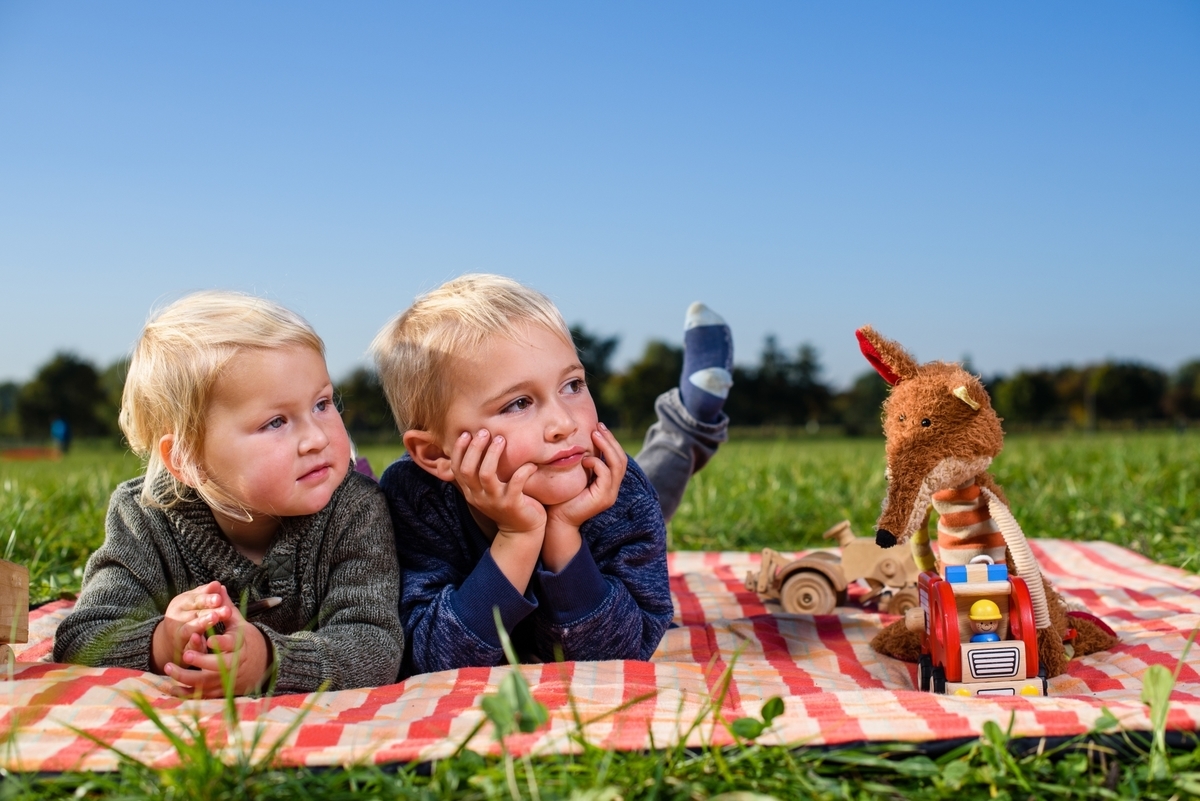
901 601
924 672
807 593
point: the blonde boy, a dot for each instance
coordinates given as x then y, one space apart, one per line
247 497
512 494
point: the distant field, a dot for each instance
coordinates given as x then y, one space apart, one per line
1139 490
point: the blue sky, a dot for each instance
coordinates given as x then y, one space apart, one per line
1017 182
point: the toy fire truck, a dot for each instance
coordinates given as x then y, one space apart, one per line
977 632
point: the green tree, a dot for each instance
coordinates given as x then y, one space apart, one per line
66 388
1127 391
112 383
1027 397
9 390
595 353
365 409
1183 397
782 390
861 407
632 393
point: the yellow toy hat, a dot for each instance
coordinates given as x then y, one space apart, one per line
984 610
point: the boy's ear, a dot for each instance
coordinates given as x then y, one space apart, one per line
425 450
166 452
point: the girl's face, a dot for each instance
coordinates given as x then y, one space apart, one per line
275 441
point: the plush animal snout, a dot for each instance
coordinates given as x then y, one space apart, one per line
885 538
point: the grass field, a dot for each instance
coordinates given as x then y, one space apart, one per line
1138 490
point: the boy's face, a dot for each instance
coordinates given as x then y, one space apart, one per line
531 391
275 440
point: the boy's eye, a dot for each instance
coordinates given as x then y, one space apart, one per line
575 386
274 423
322 404
519 405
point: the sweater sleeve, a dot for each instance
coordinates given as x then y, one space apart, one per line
125 593
613 600
447 595
357 639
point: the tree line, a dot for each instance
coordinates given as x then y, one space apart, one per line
785 388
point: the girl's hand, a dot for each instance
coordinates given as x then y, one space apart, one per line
601 492
240 652
187 617
474 461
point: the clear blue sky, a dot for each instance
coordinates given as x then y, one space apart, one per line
1017 182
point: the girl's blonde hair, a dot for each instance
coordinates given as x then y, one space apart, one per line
176 362
414 352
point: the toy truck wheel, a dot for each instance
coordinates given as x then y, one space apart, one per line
939 680
924 672
808 593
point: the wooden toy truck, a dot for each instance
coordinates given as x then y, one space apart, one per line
952 662
817 583
14 607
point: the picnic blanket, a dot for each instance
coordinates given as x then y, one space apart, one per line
837 690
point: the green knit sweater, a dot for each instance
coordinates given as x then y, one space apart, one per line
336 572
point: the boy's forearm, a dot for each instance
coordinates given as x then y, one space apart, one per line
516 555
561 544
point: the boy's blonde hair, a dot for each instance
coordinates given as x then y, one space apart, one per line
176 362
415 350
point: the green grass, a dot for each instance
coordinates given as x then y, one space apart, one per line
1138 490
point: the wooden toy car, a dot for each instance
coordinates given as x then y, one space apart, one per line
14 606
817 583
977 632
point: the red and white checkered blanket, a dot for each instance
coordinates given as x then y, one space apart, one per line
837 689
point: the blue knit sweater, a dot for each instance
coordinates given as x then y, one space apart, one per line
612 601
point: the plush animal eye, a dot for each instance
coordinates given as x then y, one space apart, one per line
900 418
925 423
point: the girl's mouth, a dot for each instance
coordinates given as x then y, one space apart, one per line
315 476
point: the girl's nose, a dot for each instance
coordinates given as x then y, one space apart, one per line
313 437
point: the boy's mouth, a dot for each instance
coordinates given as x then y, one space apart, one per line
567 458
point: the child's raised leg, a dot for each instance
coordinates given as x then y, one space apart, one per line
691 424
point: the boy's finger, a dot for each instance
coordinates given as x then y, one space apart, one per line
474 454
458 452
489 464
516 483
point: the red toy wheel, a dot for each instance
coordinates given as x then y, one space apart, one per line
1021 625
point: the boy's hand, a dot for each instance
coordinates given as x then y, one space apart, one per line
474 461
562 539
520 520
601 491
187 617
241 652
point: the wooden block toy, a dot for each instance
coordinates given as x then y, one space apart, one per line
14 602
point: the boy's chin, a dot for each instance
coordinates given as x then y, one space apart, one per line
560 490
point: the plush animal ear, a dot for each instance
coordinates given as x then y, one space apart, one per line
888 358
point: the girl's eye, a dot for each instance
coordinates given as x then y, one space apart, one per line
275 423
322 404
575 386
519 405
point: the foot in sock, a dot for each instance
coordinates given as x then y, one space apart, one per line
707 363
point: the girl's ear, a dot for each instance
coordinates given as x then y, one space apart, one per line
425 450
166 452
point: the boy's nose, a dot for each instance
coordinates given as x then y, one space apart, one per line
560 423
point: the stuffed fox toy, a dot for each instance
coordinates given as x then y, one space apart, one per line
942 435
